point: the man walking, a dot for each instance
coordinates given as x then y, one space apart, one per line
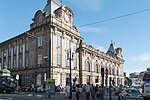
87 90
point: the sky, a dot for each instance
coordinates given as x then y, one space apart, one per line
131 33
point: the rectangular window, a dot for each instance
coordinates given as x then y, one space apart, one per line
20 47
9 51
9 63
74 61
23 55
20 61
27 60
75 46
15 49
17 56
58 41
67 44
117 72
39 60
11 58
109 71
14 62
58 58
88 79
27 46
67 60
113 71
39 41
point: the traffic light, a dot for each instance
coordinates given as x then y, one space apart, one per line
102 72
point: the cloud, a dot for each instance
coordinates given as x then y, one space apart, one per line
141 58
92 5
93 30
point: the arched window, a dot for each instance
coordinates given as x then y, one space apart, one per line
87 66
96 68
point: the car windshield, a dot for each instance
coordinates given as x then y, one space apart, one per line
133 91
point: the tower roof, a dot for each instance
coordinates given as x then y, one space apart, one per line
112 47
51 6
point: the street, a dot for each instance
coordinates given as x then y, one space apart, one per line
37 96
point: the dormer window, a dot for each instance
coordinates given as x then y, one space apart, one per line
40 19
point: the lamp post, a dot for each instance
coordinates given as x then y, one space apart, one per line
102 74
70 57
17 78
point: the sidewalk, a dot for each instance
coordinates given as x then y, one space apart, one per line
58 96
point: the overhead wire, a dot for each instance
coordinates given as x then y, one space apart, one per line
113 18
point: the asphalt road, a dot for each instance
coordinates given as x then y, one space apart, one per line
30 96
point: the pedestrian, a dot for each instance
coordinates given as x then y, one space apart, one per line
80 90
44 87
97 91
110 91
74 91
92 92
33 88
87 90
67 92
77 92
58 89
101 92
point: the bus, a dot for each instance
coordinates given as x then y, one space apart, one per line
146 86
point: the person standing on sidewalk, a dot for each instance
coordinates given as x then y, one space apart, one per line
93 92
33 88
74 88
67 92
80 90
101 93
87 89
110 91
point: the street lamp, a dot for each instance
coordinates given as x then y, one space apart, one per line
102 74
70 57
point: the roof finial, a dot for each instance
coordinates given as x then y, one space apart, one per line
61 2
111 41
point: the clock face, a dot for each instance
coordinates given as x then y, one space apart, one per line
66 17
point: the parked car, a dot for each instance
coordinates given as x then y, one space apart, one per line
4 88
130 94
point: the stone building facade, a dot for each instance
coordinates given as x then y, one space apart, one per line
47 43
